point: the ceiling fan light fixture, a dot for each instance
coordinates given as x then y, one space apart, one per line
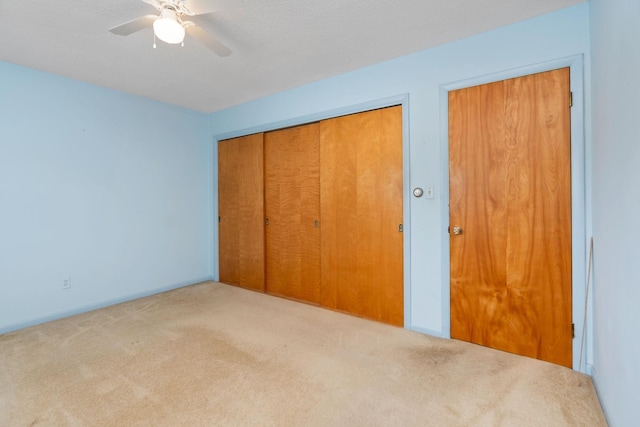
167 28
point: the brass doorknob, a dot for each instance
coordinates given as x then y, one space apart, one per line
457 230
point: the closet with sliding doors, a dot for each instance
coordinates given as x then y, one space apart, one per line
314 213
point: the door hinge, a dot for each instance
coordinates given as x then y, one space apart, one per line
219 219
400 228
570 99
573 330
266 221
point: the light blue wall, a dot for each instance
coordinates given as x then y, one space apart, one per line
109 189
615 40
422 75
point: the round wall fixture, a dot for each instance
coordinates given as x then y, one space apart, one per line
418 192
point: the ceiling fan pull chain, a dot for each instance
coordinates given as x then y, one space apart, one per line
154 40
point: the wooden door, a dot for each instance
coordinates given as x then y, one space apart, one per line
292 204
361 211
510 194
241 211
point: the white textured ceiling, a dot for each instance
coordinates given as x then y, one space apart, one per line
277 44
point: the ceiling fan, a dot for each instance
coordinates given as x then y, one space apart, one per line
170 27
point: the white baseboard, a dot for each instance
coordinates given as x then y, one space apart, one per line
426 331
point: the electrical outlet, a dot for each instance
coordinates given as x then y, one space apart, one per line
66 283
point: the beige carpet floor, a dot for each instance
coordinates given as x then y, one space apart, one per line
212 354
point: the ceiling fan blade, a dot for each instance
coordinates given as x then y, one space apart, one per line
206 39
201 7
133 26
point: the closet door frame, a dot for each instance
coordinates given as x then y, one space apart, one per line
579 182
403 100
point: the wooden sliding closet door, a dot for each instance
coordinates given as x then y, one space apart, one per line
292 204
241 210
361 214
